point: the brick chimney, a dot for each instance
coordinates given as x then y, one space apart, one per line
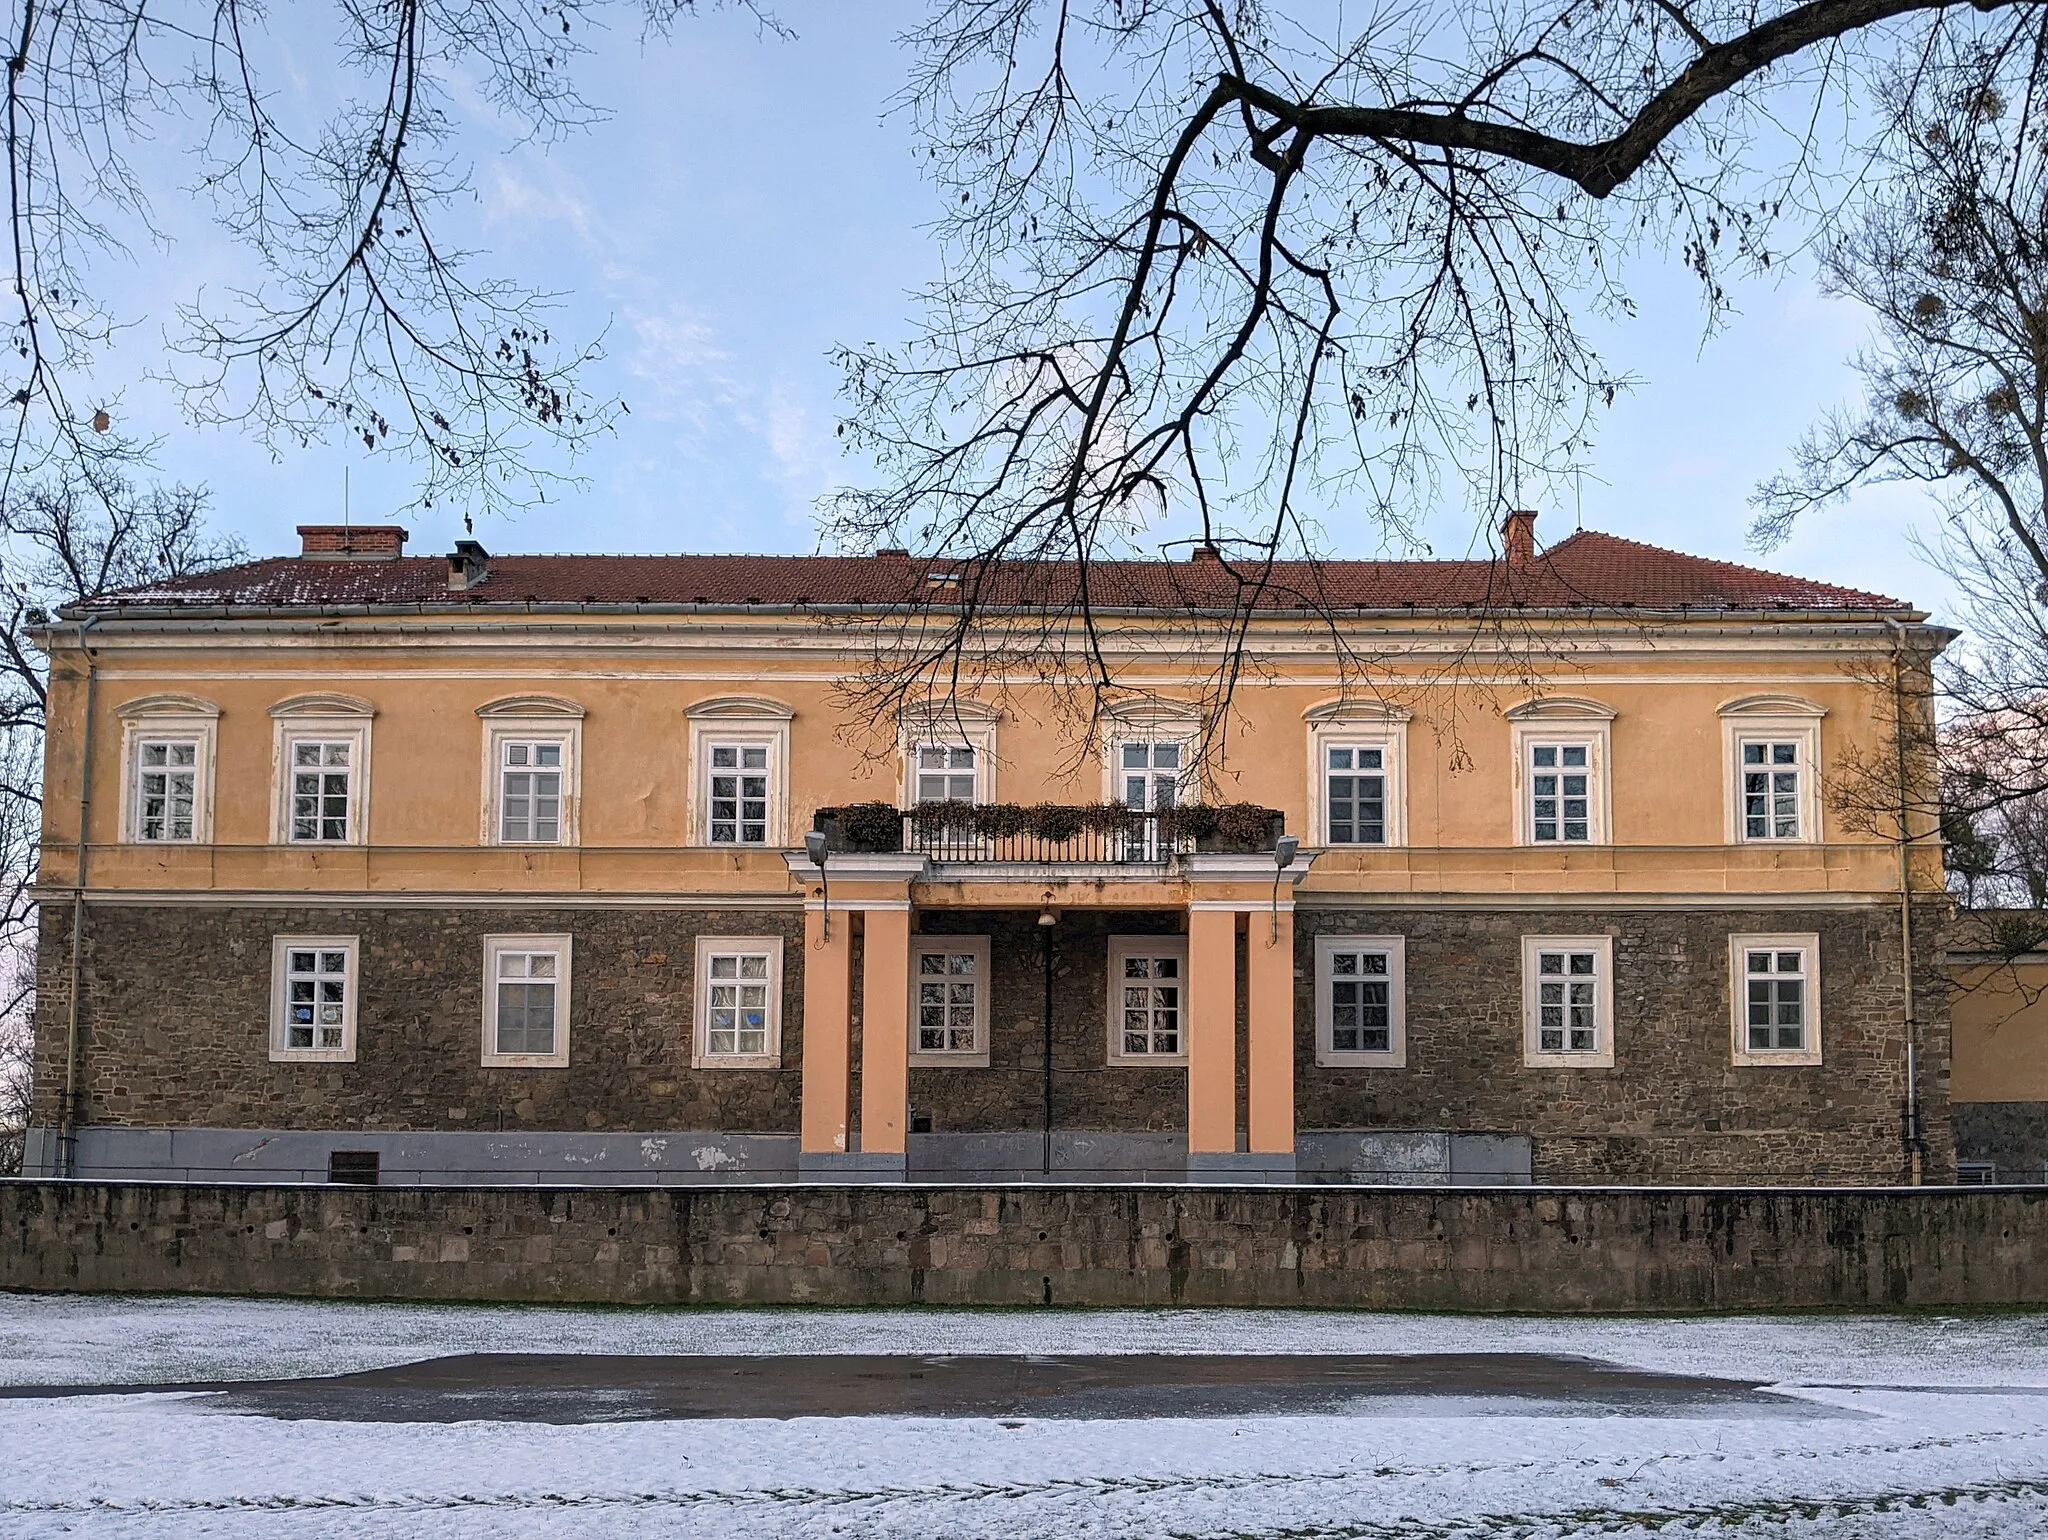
352 542
1206 553
1518 537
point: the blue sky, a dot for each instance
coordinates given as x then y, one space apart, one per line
748 205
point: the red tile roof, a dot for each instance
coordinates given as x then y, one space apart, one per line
1588 570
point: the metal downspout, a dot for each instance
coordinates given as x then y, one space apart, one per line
1915 1143
67 1132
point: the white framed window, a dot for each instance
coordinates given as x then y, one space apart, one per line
739 1003
949 987
167 755
532 790
313 999
320 770
1772 744
1568 1001
322 791
1774 982
1361 1009
736 791
949 753
1150 771
944 772
533 751
739 757
1357 767
1148 999
166 788
1561 780
527 1001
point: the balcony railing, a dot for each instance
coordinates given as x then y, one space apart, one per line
1095 836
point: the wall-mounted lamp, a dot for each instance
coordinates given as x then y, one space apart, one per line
1284 851
814 847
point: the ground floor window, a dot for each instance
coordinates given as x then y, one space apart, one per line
1148 999
526 1001
1774 983
949 983
1568 1001
313 999
1360 985
739 1002
1976 1173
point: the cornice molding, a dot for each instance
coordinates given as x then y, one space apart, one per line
745 707
1771 706
1350 709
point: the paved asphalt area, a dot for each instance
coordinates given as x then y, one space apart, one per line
584 1388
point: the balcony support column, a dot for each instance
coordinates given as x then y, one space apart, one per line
885 1044
1211 1024
828 1042
1269 1057
873 892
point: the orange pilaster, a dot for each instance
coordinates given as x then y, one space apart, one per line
828 1033
1211 1011
885 1032
1269 1059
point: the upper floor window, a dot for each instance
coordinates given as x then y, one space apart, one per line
322 749
737 793
526 1001
739 754
313 998
166 788
167 767
1561 755
1360 1008
1568 1001
949 752
1770 789
530 774
1560 792
945 772
322 778
1775 983
1773 748
533 747
1356 754
1355 791
1150 770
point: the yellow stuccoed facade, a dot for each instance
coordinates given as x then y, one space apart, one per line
429 692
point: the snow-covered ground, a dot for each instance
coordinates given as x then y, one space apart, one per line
1920 1427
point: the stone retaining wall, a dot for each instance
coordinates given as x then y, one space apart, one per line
1505 1249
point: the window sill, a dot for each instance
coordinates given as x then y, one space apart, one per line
526 1061
1148 1061
1756 1058
1330 1058
312 1056
736 1061
1604 1059
949 1060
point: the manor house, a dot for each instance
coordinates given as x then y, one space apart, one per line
360 865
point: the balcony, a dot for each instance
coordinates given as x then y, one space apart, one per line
1104 834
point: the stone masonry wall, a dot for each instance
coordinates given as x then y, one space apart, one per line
1673 1108
1518 1249
177 1004
177 1011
